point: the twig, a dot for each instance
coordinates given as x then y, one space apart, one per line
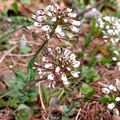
88 9
8 52
21 55
40 95
77 117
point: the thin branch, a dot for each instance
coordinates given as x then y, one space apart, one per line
7 53
41 97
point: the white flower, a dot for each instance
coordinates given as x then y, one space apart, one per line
40 12
48 65
74 29
34 16
66 53
76 64
54 19
65 20
118 63
64 77
62 34
49 13
50 51
57 69
46 28
36 24
75 74
65 82
116 112
73 15
105 90
40 71
40 18
116 52
107 27
50 77
75 22
114 58
107 18
72 56
111 87
58 50
117 99
111 106
69 10
58 29
45 59
50 7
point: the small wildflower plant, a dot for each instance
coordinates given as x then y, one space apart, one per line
55 20
110 27
58 67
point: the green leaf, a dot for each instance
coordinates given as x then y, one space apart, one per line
23 112
64 118
106 60
15 7
25 49
87 40
89 95
85 88
89 74
104 100
92 62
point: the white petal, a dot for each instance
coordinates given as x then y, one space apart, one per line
36 24
40 18
114 58
46 28
40 12
66 53
75 22
54 19
57 69
73 15
64 77
111 87
74 29
48 65
69 10
50 51
58 29
50 77
58 50
49 14
45 59
75 74
65 82
65 20
105 90
111 106
117 99
76 64
72 56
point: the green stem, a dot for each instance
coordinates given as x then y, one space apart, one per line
13 30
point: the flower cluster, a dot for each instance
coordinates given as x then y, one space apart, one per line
110 89
54 19
110 27
113 106
116 58
58 67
